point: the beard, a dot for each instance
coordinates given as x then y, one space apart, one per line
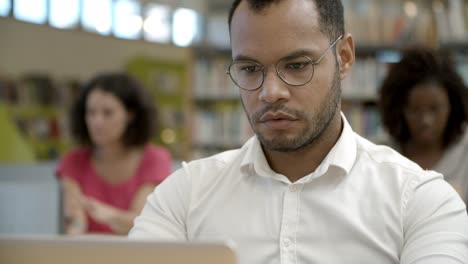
316 123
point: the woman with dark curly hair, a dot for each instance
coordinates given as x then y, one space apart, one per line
106 180
423 105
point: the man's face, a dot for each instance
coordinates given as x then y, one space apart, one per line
284 117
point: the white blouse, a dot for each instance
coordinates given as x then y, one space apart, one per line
454 166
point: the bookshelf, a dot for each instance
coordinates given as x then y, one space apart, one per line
219 122
359 89
168 83
36 105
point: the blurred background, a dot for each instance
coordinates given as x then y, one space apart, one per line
180 50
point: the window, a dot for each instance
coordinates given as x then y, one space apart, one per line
33 11
97 16
5 7
64 13
157 24
184 27
127 19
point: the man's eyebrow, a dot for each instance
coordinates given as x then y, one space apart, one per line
301 52
241 57
294 54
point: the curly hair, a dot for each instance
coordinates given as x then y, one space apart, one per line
421 65
331 13
133 96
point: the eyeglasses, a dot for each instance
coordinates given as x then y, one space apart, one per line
295 71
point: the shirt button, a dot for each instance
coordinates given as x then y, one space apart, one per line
287 243
293 187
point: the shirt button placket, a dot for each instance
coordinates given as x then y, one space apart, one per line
289 222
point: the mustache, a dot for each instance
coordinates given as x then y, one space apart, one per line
274 108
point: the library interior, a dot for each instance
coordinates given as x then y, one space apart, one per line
179 52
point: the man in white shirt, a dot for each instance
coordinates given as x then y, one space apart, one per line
305 188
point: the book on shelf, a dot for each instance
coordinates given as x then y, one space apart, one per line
374 22
456 20
451 20
364 80
211 80
225 126
389 22
364 120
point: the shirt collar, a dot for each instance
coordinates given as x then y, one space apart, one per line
342 155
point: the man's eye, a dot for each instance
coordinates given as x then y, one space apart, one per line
297 65
250 69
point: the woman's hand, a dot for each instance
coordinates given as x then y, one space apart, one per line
75 217
99 211
120 221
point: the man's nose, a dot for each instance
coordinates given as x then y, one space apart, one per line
273 88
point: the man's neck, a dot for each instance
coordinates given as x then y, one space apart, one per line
295 165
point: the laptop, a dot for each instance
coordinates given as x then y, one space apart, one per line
110 249
30 199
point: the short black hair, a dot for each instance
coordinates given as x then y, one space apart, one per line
420 65
331 20
133 96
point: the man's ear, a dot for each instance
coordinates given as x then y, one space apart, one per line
346 55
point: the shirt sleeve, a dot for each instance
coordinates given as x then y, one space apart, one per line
435 224
157 165
165 212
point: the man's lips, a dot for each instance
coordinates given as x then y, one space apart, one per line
276 116
277 120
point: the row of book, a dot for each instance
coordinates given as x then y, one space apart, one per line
38 90
451 20
363 82
383 22
211 79
38 105
221 129
387 22
399 22
364 119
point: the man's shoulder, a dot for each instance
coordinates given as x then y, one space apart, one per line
387 158
391 172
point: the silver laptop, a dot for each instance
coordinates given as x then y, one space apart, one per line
115 250
30 199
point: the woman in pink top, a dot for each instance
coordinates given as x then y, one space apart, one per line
107 179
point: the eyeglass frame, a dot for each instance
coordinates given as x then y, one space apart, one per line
313 63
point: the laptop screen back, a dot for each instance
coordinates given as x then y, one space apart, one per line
118 250
30 200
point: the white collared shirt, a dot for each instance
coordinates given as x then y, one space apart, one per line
364 204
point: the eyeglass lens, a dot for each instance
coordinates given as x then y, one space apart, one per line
292 70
